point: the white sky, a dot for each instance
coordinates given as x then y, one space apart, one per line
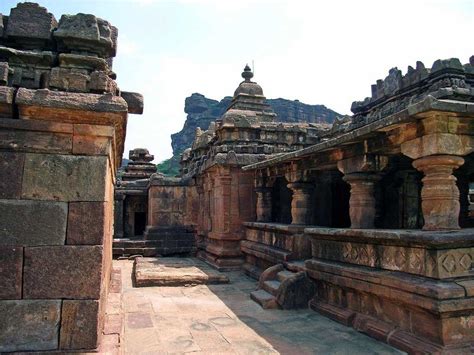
319 52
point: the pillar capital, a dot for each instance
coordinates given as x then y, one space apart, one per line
440 194
365 163
303 186
438 144
363 177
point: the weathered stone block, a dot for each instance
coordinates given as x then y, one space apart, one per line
35 136
11 268
62 272
87 33
29 20
80 325
6 101
68 60
75 80
4 68
89 145
101 83
25 223
29 100
86 223
134 101
11 173
437 144
29 325
64 177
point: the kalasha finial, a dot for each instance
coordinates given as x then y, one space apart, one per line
247 73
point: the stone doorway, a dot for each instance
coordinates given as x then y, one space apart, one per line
140 223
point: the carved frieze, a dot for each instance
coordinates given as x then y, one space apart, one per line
414 260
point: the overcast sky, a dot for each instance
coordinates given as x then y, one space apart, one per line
319 52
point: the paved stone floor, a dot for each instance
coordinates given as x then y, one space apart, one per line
221 319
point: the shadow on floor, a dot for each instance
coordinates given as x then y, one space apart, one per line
222 319
294 331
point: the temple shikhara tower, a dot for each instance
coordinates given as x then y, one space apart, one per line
367 221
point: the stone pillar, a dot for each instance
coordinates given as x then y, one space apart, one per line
118 215
301 204
362 201
361 172
446 139
264 204
440 195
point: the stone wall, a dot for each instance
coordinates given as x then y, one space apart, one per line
59 151
226 200
172 214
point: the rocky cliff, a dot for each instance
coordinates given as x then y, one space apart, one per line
201 111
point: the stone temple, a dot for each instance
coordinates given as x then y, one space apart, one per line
367 221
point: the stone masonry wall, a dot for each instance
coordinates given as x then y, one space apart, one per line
172 216
59 151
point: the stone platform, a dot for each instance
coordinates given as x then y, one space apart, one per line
175 272
412 289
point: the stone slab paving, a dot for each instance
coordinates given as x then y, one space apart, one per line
170 271
222 319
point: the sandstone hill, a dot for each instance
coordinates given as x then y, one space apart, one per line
201 111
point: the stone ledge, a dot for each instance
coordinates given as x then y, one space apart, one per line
431 239
432 295
265 252
68 100
446 263
79 108
375 328
406 115
36 126
278 227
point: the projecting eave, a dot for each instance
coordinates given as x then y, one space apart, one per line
429 103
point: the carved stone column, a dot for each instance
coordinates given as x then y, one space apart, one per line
440 195
301 206
362 201
446 139
362 172
264 204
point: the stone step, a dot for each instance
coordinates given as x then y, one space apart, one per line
135 243
252 271
271 286
264 299
285 274
295 266
150 251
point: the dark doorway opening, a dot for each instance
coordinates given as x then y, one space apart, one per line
140 223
